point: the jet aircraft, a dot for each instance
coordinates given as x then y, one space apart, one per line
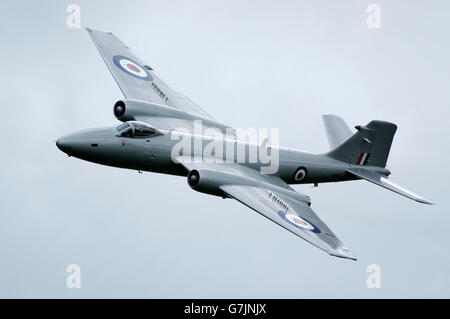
152 113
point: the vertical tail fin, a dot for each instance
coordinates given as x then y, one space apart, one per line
369 146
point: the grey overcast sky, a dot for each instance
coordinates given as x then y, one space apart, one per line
250 64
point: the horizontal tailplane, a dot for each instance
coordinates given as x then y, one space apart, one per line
383 181
337 131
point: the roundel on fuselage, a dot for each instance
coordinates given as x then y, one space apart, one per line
300 174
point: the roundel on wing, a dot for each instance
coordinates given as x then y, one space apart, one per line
131 67
298 221
300 174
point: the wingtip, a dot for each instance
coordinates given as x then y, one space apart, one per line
422 200
343 253
425 201
344 256
90 30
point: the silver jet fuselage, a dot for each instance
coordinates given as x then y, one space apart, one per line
154 154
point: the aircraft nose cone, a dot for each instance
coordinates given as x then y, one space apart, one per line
64 145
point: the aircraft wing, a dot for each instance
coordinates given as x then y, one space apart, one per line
270 196
137 80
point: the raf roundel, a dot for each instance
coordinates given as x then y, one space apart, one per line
131 67
298 221
300 174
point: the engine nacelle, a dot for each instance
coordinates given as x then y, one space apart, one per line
207 181
130 110
135 110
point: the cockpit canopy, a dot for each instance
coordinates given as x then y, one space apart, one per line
136 129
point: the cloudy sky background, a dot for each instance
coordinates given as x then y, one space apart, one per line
249 64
